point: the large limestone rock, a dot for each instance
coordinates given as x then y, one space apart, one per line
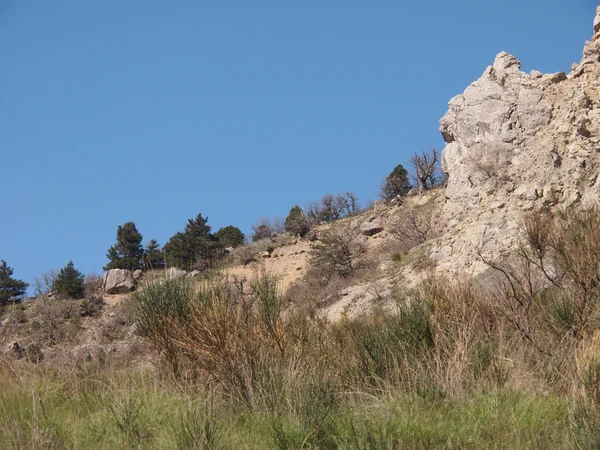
173 273
118 281
517 142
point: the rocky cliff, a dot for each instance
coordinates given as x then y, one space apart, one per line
517 142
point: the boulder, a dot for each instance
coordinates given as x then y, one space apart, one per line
371 227
118 281
137 275
173 273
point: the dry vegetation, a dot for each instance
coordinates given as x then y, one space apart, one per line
509 363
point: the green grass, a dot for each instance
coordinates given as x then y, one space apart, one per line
139 409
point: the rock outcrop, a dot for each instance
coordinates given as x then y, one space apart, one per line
517 142
118 281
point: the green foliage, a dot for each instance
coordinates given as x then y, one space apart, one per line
230 236
396 183
127 253
153 256
196 242
69 282
296 222
11 289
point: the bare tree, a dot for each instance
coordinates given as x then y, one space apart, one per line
426 167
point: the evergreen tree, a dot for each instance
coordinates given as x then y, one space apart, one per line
396 183
229 236
11 289
153 256
195 243
69 282
127 253
296 222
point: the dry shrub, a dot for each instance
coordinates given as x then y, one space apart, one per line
415 225
238 340
337 252
464 326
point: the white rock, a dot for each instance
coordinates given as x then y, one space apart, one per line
173 273
118 281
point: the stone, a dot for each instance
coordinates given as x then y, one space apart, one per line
137 275
264 254
118 281
194 274
597 21
371 227
556 77
174 273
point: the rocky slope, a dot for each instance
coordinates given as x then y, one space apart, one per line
517 142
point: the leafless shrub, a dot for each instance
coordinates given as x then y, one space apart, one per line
426 167
337 252
415 225
556 266
488 163
267 228
332 207
43 283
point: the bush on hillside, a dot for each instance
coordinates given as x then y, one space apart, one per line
296 222
230 236
69 282
397 183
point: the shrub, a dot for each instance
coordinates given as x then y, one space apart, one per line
337 252
230 236
395 184
296 223
11 289
69 282
332 207
415 225
426 167
127 252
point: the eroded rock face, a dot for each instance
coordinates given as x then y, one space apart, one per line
522 141
118 281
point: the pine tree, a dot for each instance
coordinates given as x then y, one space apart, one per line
195 243
127 253
229 236
69 282
11 289
396 183
153 256
296 222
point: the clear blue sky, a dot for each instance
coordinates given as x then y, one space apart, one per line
154 111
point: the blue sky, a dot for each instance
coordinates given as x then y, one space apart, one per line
155 111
